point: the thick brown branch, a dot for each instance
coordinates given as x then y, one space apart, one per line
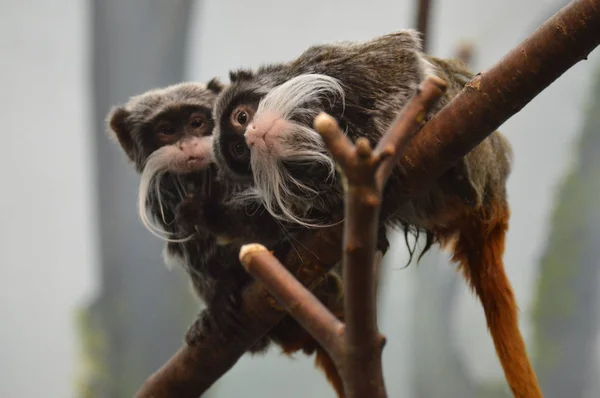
494 96
193 369
294 297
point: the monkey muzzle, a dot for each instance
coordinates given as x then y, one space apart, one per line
264 133
195 153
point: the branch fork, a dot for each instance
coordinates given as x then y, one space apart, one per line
356 345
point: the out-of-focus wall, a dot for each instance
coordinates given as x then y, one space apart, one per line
47 241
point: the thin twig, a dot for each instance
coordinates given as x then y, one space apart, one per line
365 173
423 17
295 298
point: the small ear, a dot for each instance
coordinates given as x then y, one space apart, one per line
117 121
240 74
215 85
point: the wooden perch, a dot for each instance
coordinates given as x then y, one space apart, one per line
356 346
487 102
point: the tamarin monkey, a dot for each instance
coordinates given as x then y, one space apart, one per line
264 135
167 134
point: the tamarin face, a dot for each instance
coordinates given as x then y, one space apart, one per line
265 134
167 133
175 120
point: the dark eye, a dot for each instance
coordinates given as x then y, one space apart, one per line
239 150
165 129
197 123
242 117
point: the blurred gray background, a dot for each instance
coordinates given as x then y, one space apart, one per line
87 307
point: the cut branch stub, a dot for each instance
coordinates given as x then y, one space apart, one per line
356 162
365 172
294 297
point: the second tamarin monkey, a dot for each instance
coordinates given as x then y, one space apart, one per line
264 134
167 134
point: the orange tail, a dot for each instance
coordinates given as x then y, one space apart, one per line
478 250
324 361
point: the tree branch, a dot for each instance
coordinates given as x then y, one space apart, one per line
423 17
194 369
365 175
356 348
487 102
296 299
492 97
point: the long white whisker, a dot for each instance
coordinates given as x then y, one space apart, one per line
291 97
156 165
159 197
180 188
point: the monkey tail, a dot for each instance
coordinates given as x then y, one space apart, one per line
478 249
324 362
